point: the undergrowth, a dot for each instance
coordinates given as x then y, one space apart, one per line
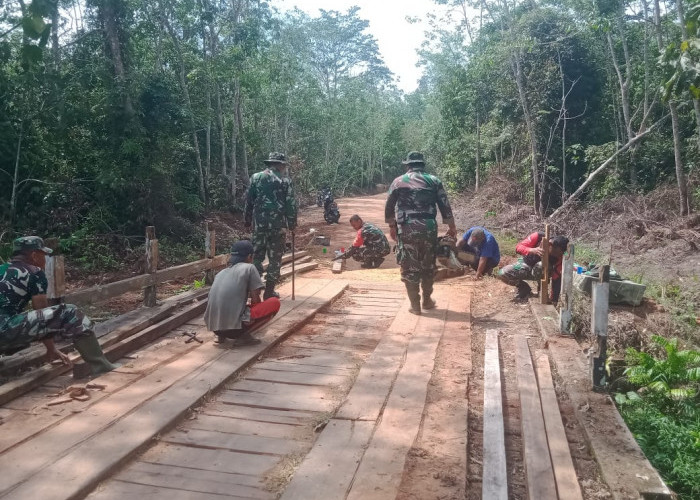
662 411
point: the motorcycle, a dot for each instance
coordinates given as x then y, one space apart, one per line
331 214
322 195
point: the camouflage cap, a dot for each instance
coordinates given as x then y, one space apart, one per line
276 158
414 158
29 243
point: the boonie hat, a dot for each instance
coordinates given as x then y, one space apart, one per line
414 158
30 243
276 158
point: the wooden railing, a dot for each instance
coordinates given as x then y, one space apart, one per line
148 282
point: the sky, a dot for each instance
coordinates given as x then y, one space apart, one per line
397 39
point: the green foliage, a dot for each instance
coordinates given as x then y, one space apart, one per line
663 413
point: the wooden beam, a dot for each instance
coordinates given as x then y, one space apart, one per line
495 474
149 294
209 252
127 345
564 471
56 274
567 285
538 464
544 289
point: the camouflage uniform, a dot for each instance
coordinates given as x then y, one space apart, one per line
374 248
271 208
19 282
411 205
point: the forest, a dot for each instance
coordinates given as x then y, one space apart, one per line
115 114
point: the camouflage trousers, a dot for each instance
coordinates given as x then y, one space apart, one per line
417 250
513 274
368 255
270 243
64 321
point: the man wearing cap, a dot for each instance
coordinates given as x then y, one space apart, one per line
370 245
271 209
22 280
411 214
228 313
480 243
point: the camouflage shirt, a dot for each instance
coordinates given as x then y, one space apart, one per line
414 196
270 203
19 282
372 237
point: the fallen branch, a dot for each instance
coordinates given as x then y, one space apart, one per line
606 164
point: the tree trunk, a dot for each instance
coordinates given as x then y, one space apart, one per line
478 152
188 106
15 178
677 155
531 130
241 134
109 14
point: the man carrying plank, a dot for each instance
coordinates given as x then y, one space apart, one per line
370 245
228 314
529 266
22 280
271 209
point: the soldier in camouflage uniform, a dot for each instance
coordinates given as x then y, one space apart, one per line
271 208
22 280
411 214
370 245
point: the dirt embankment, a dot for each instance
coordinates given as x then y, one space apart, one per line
641 235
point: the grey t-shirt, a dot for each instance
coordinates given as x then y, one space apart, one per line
228 296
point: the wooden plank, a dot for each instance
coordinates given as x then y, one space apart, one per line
381 469
120 490
338 266
190 472
328 470
290 377
234 411
566 295
373 384
123 347
234 442
172 478
225 424
302 268
62 463
292 365
278 402
404 322
538 464
495 474
279 389
564 471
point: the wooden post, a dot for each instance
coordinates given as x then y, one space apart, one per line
599 325
209 252
567 285
544 289
56 275
149 293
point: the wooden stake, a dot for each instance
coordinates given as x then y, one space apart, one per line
56 275
567 284
599 325
544 289
149 293
209 252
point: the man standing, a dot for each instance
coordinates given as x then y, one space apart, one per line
529 266
271 207
411 212
228 314
370 245
484 247
22 280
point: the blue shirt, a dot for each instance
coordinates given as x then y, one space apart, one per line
488 247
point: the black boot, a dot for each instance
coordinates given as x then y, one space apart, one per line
428 302
270 291
377 262
91 352
245 338
413 290
523 292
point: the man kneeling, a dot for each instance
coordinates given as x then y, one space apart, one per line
228 314
370 245
23 280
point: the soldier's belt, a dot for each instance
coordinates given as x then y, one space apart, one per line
416 216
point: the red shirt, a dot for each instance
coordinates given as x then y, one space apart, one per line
533 241
359 240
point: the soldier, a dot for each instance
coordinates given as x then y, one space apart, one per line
370 245
23 280
410 212
271 207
